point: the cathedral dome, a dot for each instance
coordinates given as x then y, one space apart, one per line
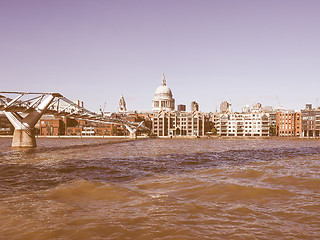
163 91
163 99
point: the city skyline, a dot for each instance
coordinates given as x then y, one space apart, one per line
210 51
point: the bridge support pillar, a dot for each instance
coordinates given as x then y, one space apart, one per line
133 135
24 133
24 138
132 132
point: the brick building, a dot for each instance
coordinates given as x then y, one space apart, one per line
288 124
51 126
86 128
6 127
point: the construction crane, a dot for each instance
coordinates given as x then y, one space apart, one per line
280 106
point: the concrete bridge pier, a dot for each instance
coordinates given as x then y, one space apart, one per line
24 133
133 132
133 135
23 138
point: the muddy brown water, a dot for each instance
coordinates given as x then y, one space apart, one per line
161 189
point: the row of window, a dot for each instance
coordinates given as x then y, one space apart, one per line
246 130
182 127
245 134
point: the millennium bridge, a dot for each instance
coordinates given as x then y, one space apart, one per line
24 109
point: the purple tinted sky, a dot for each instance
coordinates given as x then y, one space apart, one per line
245 51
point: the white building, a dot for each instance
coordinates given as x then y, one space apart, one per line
175 123
163 99
253 123
243 124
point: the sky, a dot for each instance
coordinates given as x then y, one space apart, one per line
241 51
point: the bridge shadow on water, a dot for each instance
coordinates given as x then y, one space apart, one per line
25 177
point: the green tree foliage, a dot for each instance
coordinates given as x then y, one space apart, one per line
214 131
115 131
272 130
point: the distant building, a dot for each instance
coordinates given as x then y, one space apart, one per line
182 108
166 122
268 109
163 99
246 109
308 107
288 124
87 128
272 123
252 123
225 107
310 122
256 108
194 106
122 105
243 124
180 123
6 127
52 126
272 119
304 124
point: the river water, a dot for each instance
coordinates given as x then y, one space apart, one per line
161 189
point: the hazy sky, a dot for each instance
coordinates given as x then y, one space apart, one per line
243 51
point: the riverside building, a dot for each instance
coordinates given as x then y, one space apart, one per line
166 122
288 124
254 123
303 124
180 123
310 122
6 127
